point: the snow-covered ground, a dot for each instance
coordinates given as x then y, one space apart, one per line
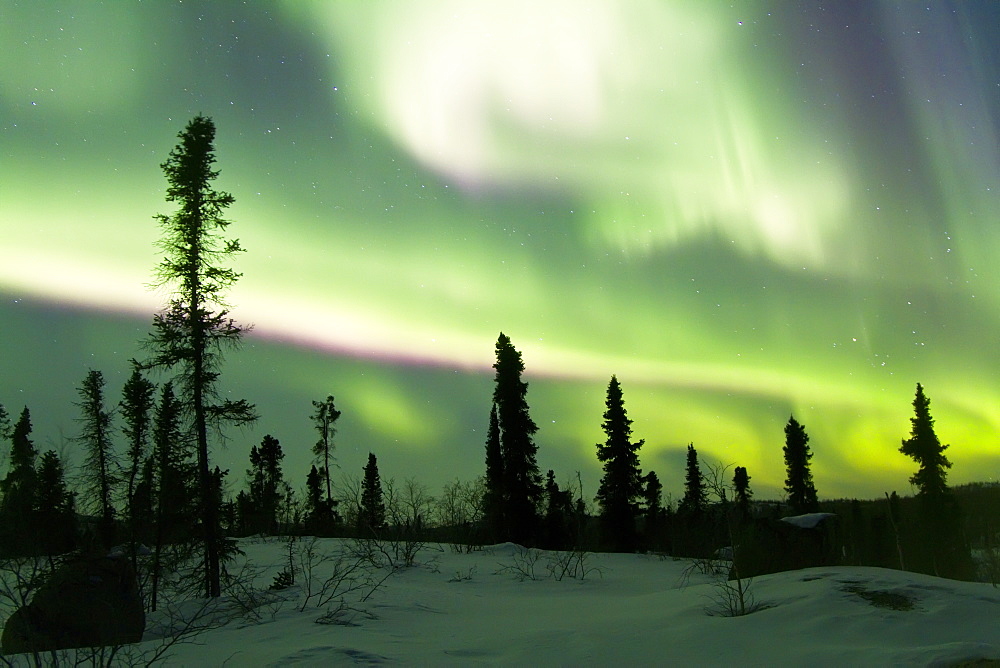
630 610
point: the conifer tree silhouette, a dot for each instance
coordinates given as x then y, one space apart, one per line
18 529
941 548
621 484
371 515
695 494
324 418
493 494
798 476
741 487
522 481
135 408
100 463
265 479
55 507
194 328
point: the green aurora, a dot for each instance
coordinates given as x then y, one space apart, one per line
742 212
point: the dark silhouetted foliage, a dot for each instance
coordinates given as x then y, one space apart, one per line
320 519
194 328
493 495
941 547
741 487
18 529
695 497
559 521
621 484
654 514
135 409
324 418
100 465
264 479
798 477
522 487
54 507
371 514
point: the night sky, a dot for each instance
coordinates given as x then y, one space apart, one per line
743 212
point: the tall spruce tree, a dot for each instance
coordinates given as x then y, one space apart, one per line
940 548
100 463
371 514
798 476
695 497
194 328
522 488
324 418
621 486
493 495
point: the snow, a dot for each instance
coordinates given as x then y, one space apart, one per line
479 609
807 521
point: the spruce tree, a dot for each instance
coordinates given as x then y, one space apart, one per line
55 507
100 463
695 494
522 488
741 486
172 484
621 486
493 495
318 520
324 418
941 548
135 408
265 479
18 529
798 477
694 534
173 470
654 513
194 328
926 450
371 514
558 515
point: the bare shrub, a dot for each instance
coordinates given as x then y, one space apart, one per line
733 598
523 566
459 509
570 564
407 507
329 576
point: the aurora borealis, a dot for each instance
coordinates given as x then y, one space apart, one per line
743 212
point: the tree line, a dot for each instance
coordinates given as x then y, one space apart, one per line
164 493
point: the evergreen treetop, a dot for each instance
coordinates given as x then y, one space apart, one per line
695 493
798 479
621 484
522 480
371 515
924 447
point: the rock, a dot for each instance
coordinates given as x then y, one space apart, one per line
771 546
88 602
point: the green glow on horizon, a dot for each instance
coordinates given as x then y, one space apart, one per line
713 203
